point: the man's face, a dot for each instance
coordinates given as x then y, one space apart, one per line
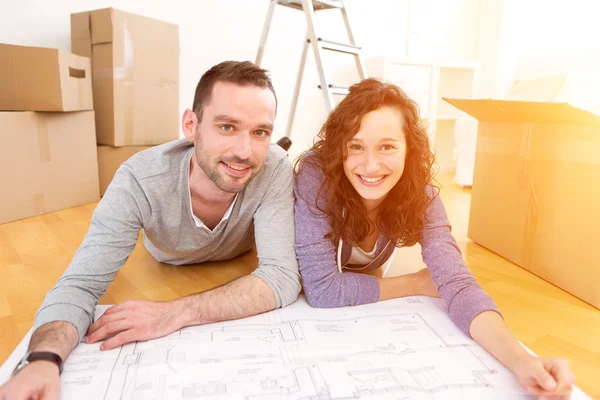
233 136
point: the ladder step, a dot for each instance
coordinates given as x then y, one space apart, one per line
317 4
341 90
341 47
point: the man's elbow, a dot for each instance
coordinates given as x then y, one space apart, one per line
285 286
291 293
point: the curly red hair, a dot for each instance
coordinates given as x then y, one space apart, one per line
401 214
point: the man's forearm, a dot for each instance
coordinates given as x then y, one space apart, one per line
59 337
243 297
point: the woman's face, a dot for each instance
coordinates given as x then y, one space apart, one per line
376 154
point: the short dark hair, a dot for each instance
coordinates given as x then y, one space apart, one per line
243 73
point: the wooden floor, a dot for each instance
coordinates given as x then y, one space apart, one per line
35 251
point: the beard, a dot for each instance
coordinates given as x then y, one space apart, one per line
211 167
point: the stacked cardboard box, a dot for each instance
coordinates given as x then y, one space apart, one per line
125 67
536 187
47 135
135 78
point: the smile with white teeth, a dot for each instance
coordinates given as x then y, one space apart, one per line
373 179
236 167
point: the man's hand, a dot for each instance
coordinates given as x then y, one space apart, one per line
39 380
423 284
547 378
135 320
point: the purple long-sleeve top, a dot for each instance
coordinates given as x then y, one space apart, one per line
325 286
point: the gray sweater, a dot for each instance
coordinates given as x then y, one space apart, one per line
151 192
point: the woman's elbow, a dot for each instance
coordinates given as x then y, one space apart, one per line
320 299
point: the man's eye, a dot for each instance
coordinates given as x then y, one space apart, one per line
261 133
227 128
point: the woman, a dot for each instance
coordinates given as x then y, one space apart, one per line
366 188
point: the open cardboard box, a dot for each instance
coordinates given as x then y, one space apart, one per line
536 189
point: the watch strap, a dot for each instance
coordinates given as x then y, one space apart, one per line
39 356
46 356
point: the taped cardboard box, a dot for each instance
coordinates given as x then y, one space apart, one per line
110 159
42 79
536 189
47 162
135 72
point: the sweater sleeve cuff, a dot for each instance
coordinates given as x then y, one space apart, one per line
469 303
368 290
64 312
284 284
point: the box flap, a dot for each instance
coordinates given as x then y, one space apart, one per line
81 40
9 88
525 111
101 22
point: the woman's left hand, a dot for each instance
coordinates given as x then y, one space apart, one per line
423 284
546 378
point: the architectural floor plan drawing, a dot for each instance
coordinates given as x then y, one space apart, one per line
398 349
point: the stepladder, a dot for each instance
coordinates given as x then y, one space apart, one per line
319 44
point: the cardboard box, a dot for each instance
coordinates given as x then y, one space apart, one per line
536 188
110 159
135 72
41 79
47 161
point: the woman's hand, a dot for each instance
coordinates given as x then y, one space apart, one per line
415 284
423 284
546 378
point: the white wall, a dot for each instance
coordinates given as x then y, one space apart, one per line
487 46
540 29
497 32
445 29
216 30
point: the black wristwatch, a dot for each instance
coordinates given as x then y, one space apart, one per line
39 356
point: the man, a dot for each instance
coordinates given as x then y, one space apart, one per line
207 197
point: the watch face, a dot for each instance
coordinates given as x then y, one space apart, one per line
21 364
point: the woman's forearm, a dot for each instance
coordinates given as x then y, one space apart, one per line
415 284
394 287
490 331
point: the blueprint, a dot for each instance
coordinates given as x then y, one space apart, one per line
398 349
